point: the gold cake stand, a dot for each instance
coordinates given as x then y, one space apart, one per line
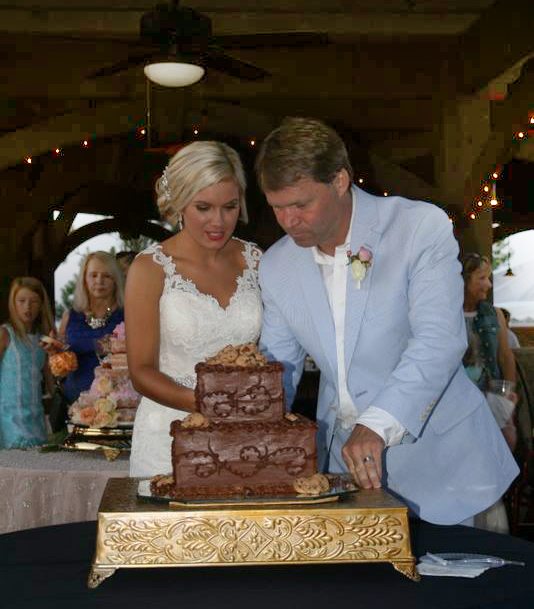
367 526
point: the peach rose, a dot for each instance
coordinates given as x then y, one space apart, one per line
105 405
86 415
105 419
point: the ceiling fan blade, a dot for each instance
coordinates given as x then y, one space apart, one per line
124 64
271 39
91 38
218 60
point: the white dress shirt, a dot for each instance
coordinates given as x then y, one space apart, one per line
334 273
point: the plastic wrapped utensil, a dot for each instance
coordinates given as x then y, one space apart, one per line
448 559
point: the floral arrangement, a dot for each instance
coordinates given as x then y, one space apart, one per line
101 413
105 404
62 363
359 263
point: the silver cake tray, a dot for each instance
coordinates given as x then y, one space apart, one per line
341 485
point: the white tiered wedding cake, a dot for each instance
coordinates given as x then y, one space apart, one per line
111 400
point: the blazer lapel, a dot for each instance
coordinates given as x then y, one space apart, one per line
316 300
366 232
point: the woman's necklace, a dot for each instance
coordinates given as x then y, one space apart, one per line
97 322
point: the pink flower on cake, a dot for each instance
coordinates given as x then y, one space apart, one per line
105 413
85 415
105 419
120 331
125 396
359 263
86 398
118 339
102 385
105 405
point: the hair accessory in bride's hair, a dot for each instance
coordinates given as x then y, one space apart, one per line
164 181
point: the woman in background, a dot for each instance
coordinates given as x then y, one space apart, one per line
97 308
22 363
488 357
488 354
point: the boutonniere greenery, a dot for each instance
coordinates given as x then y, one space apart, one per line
359 263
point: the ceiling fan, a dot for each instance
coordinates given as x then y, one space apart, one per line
173 31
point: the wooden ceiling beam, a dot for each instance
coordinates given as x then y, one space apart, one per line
363 115
498 40
509 117
404 148
95 21
105 120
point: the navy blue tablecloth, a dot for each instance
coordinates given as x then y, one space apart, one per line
47 568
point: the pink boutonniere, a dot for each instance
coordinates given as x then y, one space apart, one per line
359 263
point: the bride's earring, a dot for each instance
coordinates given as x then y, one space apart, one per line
180 222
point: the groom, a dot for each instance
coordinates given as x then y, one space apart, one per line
371 288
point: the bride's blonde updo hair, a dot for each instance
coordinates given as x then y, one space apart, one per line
193 168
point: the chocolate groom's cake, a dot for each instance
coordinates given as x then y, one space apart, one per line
240 442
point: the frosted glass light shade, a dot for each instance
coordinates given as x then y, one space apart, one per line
173 73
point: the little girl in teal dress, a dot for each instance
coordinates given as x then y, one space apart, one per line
22 361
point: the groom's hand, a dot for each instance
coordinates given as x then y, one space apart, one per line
363 455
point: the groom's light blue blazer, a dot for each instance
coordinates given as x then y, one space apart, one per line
404 342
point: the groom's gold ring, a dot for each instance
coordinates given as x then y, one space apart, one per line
368 458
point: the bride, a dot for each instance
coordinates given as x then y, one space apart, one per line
189 296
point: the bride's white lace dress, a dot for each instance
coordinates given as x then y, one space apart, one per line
193 327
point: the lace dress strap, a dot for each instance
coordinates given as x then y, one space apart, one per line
169 268
251 254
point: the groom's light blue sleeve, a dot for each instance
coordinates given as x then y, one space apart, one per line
438 338
277 340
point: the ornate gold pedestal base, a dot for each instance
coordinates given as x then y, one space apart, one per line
367 526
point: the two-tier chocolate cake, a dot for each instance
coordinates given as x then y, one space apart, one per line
240 442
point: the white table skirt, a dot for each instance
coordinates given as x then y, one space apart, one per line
40 489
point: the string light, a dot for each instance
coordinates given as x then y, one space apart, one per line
492 201
479 204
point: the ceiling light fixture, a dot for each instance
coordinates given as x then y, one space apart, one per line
174 73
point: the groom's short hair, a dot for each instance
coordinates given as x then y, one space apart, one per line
300 148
